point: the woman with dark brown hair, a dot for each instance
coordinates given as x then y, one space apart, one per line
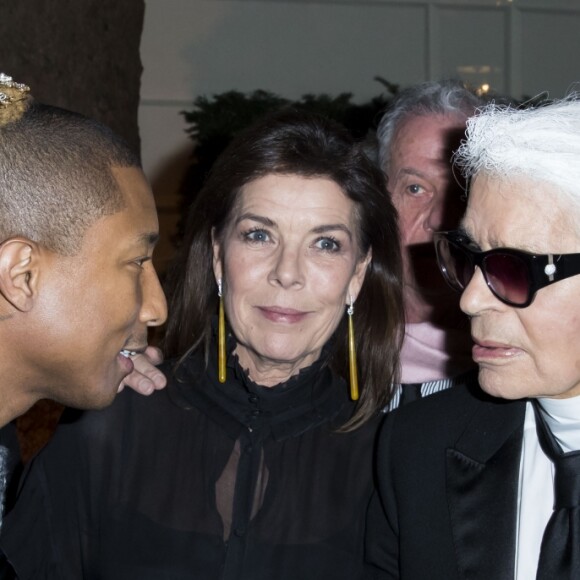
256 462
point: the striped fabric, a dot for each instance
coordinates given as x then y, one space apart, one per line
431 387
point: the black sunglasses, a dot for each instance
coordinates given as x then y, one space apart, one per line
513 276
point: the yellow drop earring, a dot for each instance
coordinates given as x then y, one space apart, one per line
221 337
352 353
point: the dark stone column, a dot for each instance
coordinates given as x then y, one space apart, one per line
82 55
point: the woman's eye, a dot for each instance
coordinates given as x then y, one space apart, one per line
328 244
259 236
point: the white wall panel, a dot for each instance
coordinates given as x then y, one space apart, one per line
472 45
202 47
290 48
550 51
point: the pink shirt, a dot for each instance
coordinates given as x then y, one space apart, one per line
431 353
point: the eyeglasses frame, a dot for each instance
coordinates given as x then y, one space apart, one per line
544 269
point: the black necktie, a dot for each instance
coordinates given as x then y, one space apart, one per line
410 392
560 552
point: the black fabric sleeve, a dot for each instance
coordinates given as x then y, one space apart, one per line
382 543
48 534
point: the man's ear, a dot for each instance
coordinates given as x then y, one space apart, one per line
18 272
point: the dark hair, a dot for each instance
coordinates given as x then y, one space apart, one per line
299 143
55 176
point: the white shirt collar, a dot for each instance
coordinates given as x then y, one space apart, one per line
563 418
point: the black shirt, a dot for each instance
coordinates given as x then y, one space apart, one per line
201 480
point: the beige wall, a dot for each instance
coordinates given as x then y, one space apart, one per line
291 47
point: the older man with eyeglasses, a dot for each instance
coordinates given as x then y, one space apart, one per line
485 483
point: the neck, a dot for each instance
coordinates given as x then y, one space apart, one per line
267 372
18 390
12 403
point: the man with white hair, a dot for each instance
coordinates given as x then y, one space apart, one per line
485 483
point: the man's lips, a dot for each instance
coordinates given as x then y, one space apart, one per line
285 315
126 363
124 357
491 350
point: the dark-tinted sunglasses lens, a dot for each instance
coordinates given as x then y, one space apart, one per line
456 264
508 276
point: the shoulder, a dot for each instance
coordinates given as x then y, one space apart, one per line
91 431
415 440
440 419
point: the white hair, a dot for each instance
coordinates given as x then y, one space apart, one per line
540 144
447 97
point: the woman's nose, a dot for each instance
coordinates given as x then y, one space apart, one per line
287 268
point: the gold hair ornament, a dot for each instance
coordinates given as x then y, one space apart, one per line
352 353
14 99
221 337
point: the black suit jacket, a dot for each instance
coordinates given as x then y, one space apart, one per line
448 469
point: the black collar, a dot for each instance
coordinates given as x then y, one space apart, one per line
312 397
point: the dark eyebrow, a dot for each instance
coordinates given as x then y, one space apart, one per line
332 227
412 171
317 230
421 174
256 218
149 238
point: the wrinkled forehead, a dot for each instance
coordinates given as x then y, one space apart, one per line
271 192
520 213
435 136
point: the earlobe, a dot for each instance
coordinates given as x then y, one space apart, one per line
18 272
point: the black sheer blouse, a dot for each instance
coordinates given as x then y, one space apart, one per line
201 480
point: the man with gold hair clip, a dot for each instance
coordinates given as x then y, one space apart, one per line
78 290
